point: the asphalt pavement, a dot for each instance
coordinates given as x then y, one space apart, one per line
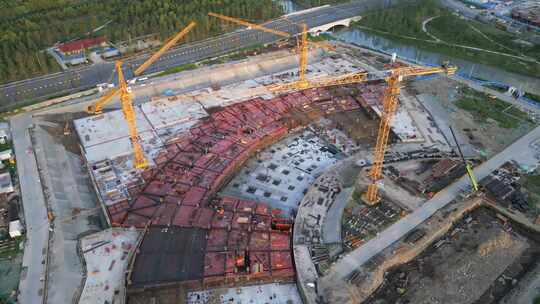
461 7
31 286
89 76
522 151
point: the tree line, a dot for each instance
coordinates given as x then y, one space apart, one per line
28 28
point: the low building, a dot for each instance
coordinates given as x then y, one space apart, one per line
442 174
6 186
15 229
110 52
78 46
75 60
529 15
444 167
6 155
5 134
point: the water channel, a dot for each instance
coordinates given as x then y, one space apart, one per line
412 53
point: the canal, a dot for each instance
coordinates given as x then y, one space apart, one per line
419 56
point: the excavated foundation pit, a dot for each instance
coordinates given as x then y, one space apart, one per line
479 260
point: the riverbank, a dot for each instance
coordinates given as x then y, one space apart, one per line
430 27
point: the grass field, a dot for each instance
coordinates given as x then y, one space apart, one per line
532 184
404 24
533 97
482 107
178 69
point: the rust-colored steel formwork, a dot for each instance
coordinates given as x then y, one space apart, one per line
191 170
180 191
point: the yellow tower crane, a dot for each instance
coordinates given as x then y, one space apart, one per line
129 115
302 82
390 101
164 48
468 166
390 104
97 108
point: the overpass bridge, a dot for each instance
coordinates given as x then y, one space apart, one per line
318 20
332 25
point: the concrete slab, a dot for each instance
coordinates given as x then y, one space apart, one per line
164 113
403 125
331 227
106 255
258 294
107 127
426 124
440 114
69 192
280 174
35 213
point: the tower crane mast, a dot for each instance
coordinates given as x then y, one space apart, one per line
164 49
140 162
129 115
303 50
468 166
302 82
97 108
390 100
390 104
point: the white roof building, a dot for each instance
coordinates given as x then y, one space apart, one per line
6 154
15 229
6 186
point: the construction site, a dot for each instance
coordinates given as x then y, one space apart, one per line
316 172
478 261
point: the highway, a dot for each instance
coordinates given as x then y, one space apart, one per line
87 77
523 150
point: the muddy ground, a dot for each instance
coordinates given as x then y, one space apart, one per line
488 136
357 125
63 130
479 261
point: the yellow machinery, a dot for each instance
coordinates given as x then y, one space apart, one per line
390 104
303 51
319 82
301 83
97 108
140 162
164 48
129 115
468 166
249 24
390 101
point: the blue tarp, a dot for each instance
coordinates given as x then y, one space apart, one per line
168 92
